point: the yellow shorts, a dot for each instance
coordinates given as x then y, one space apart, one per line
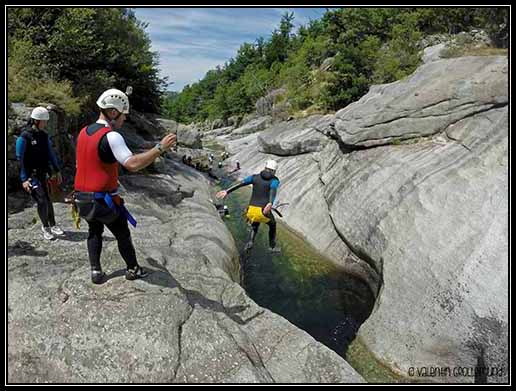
255 215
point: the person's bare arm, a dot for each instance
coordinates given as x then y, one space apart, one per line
142 160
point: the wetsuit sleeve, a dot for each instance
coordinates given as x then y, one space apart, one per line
118 147
274 189
52 155
21 146
247 181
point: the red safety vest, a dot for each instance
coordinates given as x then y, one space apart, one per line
92 174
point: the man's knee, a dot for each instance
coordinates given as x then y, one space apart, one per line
92 234
123 235
95 229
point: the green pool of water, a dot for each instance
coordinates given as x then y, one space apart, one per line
300 284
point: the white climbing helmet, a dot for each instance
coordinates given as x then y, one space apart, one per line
40 114
114 99
271 165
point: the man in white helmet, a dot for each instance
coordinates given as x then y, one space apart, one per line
37 159
265 187
101 150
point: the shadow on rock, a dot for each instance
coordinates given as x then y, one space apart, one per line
118 273
71 236
163 277
24 248
160 194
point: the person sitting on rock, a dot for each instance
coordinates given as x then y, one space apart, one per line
265 187
101 150
36 155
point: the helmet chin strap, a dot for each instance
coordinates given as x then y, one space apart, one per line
112 122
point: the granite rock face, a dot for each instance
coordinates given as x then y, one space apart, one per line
409 193
437 96
253 126
304 139
187 135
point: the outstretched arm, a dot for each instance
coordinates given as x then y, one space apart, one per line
138 161
247 181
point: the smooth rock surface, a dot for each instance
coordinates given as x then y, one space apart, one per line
188 321
411 190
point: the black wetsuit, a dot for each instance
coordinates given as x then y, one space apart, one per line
265 186
35 153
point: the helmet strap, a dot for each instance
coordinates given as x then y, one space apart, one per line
112 122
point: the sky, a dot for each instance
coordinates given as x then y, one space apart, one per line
191 41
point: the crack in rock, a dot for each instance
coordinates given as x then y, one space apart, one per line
248 348
180 343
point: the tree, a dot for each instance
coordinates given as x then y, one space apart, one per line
401 55
277 49
496 23
92 49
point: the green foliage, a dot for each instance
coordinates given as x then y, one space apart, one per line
257 81
496 23
301 75
401 55
28 82
88 50
363 46
298 79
